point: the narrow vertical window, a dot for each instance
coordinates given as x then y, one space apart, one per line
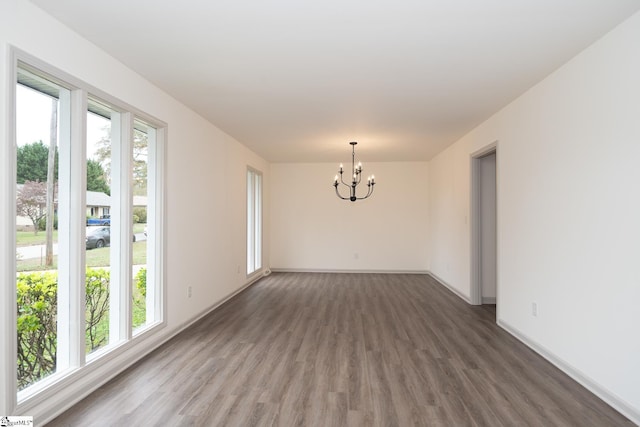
254 221
145 304
98 230
38 109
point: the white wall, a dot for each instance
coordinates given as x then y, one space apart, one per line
312 229
205 183
449 218
568 215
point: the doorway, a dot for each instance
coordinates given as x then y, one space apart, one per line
484 279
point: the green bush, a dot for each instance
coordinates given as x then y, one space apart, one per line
42 224
141 213
141 281
139 299
97 305
37 325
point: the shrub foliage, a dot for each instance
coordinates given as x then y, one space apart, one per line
37 322
37 309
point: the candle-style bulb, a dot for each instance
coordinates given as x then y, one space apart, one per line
341 167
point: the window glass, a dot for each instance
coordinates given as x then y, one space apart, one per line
98 228
143 136
37 246
254 221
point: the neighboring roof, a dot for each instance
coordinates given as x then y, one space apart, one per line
95 198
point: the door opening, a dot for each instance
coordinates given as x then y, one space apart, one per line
484 280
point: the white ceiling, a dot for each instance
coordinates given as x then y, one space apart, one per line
296 80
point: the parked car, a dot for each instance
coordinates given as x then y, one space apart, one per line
103 220
98 237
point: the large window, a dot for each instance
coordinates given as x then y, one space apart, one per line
254 221
88 215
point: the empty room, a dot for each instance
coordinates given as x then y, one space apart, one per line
333 213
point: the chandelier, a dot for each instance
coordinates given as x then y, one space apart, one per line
356 177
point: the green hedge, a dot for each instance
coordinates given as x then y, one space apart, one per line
37 335
37 322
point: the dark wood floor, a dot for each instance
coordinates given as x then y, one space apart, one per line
344 349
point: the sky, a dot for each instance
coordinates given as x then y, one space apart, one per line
33 114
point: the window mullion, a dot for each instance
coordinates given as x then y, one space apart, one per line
71 230
152 292
121 227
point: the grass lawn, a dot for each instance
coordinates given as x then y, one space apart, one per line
27 238
94 258
138 228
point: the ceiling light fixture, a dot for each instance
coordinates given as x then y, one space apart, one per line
355 178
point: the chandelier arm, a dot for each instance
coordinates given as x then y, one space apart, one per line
338 194
369 193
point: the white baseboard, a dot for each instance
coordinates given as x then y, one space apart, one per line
466 298
610 398
488 300
322 270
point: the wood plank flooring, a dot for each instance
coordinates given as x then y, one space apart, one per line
321 349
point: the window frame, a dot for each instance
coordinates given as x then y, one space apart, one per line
254 221
75 365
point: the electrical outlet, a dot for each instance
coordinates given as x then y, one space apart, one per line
534 309
189 291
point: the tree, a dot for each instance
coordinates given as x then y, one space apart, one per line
31 202
31 162
96 177
140 159
51 180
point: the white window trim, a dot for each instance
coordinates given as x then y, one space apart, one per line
8 338
254 230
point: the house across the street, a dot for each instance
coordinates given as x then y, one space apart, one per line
98 204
